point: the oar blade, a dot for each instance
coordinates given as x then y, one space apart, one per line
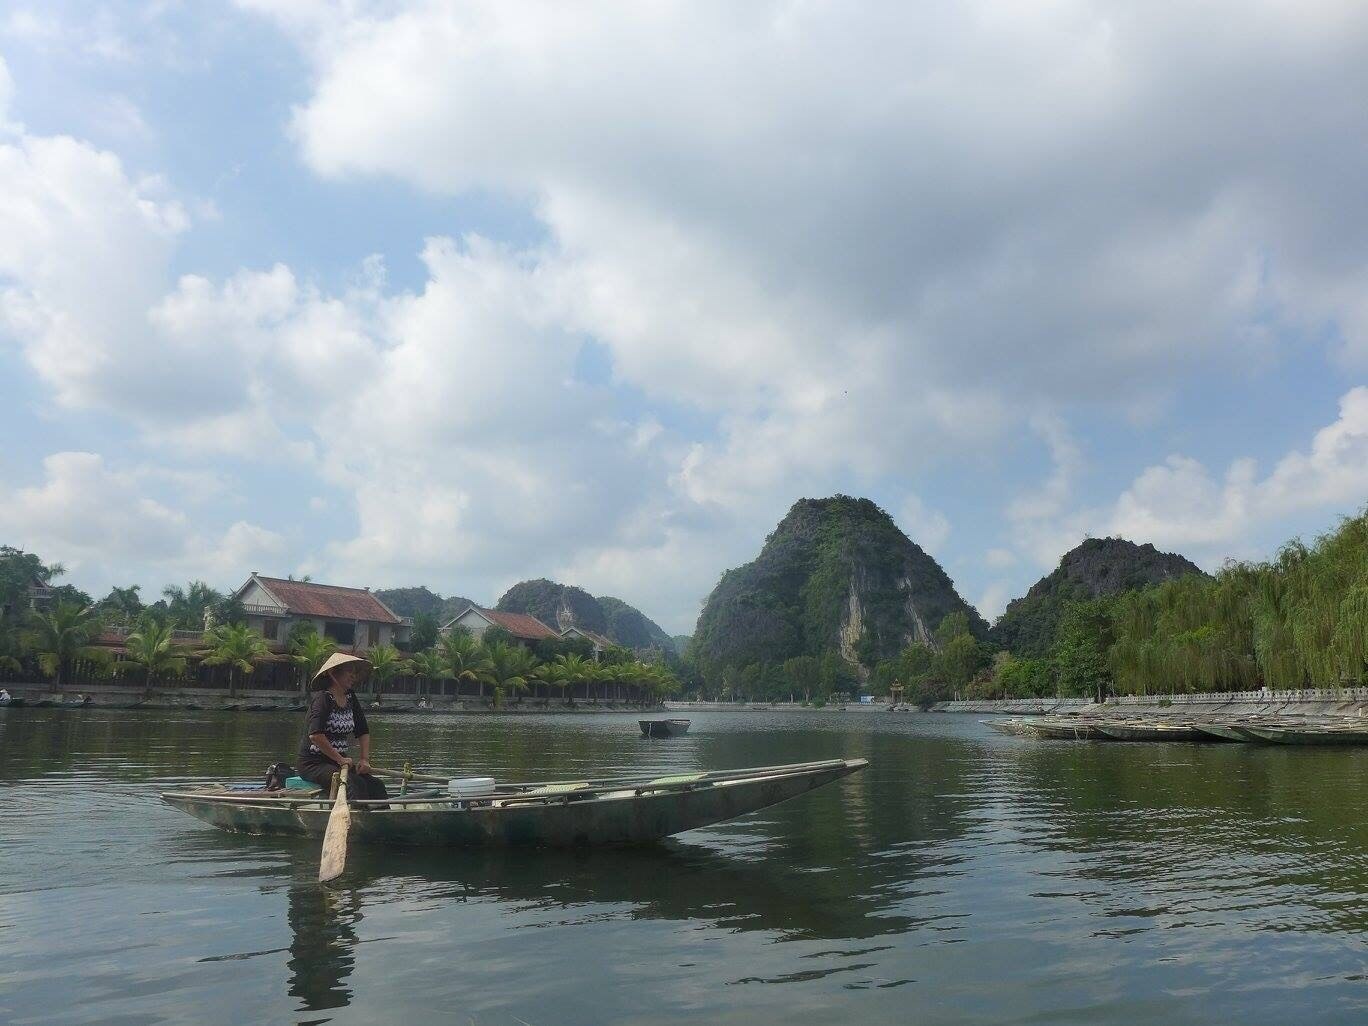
334 857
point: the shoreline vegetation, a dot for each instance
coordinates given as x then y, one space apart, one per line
1297 621
58 633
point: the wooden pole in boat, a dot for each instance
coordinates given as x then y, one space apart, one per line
334 858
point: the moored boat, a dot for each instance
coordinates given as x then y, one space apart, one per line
664 728
1310 735
559 814
1223 731
1062 730
1152 732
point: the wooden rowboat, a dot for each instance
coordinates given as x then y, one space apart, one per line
1152 732
664 728
1062 730
558 814
1223 731
1310 735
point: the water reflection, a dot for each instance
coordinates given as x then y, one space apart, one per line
323 952
965 875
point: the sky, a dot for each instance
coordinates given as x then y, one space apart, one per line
459 294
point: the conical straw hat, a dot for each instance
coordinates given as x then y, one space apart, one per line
320 679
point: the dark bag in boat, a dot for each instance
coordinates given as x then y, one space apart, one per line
277 774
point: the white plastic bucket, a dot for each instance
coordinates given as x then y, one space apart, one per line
464 787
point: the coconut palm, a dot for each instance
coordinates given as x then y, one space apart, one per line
510 668
572 669
429 666
386 663
151 647
464 658
238 647
309 651
62 636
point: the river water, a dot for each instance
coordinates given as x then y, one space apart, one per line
965 877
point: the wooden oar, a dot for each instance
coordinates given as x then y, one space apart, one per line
334 858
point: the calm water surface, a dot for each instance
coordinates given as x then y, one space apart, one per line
965 877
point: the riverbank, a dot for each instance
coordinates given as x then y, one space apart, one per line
673 706
249 700
1307 702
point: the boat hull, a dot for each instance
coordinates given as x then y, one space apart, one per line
1330 736
1157 732
617 818
663 728
1057 731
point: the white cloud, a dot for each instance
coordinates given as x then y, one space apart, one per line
1210 516
927 527
98 520
993 602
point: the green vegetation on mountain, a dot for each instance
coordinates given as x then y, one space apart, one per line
557 605
1297 621
631 628
1097 568
560 606
835 580
421 601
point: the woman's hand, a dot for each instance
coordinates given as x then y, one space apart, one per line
363 767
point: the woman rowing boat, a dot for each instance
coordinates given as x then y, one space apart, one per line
335 717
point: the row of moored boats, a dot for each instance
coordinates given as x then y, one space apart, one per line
1256 729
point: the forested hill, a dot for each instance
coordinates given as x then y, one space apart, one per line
631 628
562 605
836 576
557 605
1097 567
423 602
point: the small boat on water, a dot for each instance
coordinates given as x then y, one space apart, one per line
1062 730
613 811
1016 727
1309 734
1152 732
1222 731
663 728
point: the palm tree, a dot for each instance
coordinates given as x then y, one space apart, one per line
238 647
310 651
386 663
429 666
62 636
510 666
464 658
150 647
188 605
572 669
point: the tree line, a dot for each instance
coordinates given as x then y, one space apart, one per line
65 629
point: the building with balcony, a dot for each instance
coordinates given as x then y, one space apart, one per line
352 617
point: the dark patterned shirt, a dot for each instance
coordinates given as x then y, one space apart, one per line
339 723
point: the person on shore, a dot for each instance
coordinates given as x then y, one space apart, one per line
335 718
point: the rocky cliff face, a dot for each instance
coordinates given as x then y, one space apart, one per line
836 575
1097 567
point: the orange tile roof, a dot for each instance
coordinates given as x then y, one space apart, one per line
520 625
328 601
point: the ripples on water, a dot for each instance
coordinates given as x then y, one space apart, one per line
964 877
